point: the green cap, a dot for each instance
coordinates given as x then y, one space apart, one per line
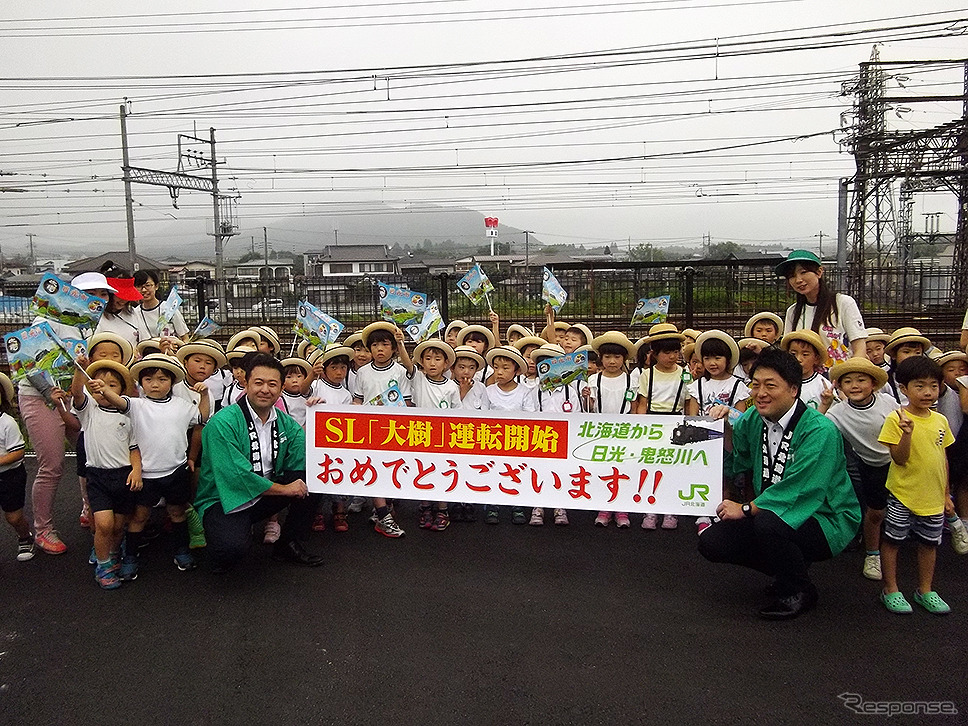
795 257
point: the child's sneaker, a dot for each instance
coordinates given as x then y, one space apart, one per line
650 521
388 527
518 516
469 514
50 542
561 517
339 522
196 532
441 520
603 519
85 518
319 523
537 517
872 567
931 602
25 549
959 536
129 568
669 521
896 603
622 520
702 524
425 517
491 516
184 561
273 532
356 505
92 558
106 577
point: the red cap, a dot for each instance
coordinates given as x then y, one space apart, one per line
125 288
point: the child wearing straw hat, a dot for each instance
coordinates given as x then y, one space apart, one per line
904 343
764 326
113 462
331 367
160 422
473 393
810 350
296 387
13 475
662 390
612 390
860 417
877 341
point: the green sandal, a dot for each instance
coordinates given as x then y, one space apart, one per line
896 603
931 602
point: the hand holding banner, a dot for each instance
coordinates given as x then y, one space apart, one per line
59 301
401 305
552 292
476 285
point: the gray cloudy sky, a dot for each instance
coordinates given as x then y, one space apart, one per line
586 121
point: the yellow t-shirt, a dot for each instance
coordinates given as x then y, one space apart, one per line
664 390
920 484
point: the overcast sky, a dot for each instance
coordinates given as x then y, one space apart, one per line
586 122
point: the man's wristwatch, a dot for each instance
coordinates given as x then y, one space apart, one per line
747 510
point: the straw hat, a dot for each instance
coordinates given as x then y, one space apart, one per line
615 338
664 331
548 350
691 333
249 333
859 365
527 340
158 360
585 330
303 349
906 335
459 324
726 338
771 317
757 343
373 327
877 335
688 351
509 352
7 385
465 351
807 336
239 352
950 356
352 340
439 345
561 326
149 345
322 357
520 330
301 362
99 365
270 336
205 346
127 352
465 331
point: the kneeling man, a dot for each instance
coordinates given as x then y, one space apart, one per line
254 465
804 508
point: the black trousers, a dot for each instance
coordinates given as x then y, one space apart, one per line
229 535
766 543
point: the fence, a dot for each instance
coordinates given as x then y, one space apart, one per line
705 294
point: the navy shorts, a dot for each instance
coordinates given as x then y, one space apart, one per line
873 482
901 521
107 490
81 462
13 488
176 488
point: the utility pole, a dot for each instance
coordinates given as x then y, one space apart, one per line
821 236
33 260
128 198
265 276
219 261
527 248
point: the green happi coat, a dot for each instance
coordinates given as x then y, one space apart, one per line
226 473
814 482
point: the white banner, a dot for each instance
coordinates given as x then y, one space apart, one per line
619 463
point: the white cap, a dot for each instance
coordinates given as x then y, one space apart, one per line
92 281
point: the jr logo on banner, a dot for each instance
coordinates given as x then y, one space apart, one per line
661 464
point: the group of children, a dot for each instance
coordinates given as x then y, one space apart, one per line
140 420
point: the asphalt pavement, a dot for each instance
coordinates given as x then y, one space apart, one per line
474 625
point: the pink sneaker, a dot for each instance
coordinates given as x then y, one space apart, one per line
670 521
650 521
702 524
622 520
50 542
537 517
561 517
319 523
603 519
273 532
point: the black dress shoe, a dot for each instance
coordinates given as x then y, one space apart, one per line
790 606
294 552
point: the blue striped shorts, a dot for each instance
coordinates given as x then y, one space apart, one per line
899 521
